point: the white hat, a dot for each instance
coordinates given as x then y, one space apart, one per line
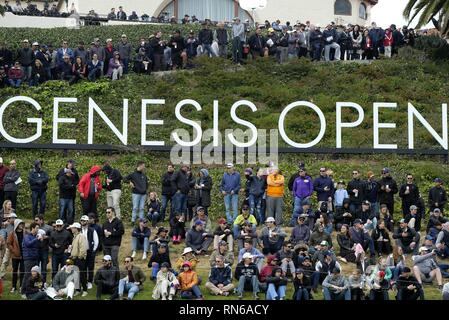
423 249
41 232
35 43
59 222
247 255
37 269
270 219
75 225
84 218
229 165
107 258
109 40
1 160
187 250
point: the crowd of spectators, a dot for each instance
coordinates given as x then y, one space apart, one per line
351 226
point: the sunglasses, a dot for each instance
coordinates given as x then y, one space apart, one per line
355 173
409 178
127 261
108 211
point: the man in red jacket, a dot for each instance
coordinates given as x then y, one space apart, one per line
3 170
89 188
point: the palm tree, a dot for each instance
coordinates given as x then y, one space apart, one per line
429 10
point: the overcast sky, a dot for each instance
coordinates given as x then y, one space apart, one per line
387 12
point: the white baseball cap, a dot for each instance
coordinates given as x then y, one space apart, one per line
270 219
59 222
247 255
75 225
107 258
229 165
84 218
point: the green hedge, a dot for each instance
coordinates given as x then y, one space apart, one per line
435 47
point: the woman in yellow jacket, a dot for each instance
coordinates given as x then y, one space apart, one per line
188 281
275 195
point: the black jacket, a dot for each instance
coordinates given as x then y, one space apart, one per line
159 258
157 48
62 239
205 36
387 197
67 187
117 229
181 182
360 186
75 175
437 195
116 178
139 180
257 43
167 187
222 36
409 199
247 271
412 236
202 195
38 180
220 275
109 276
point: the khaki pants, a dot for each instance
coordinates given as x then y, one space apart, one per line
215 290
5 262
229 239
113 200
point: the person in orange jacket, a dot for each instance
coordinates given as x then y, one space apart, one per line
275 195
89 188
188 280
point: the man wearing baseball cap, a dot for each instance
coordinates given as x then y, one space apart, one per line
413 218
65 282
201 216
425 266
409 193
78 253
107 279
93 242
223 232
407 238
198 239
3 170
272 237
336 286
247 275
244 217
408 286
437 196
388 188
69 193
359 235
223 251
60 240
125 50
230 187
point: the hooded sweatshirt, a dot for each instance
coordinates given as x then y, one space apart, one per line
14 241
84 185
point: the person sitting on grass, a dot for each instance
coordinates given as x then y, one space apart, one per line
187 255
406 238
224 252
336 286
242 219
177 228
247 274
357 285
301 232
408 287
302 286
379 286
317 237
277 285
166 283
267 271
272 237
157 259
381 239
258 257
425 266
107 279
220 278
223 233
131 280
65 282
247 233
33 287
323 269
285 257
198 239
188 281
141 239
160 237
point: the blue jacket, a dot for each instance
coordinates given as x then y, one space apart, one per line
38 180
141 234
319 184
257 186
330 33
60 56
30 247
230 182
220 275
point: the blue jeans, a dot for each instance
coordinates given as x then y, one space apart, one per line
164 204
180 202
443 253
231 200
302 294
15 82
194 291
343 295
154 217
297 207
36 198
138 205
255 204
208 48
272 293
154 270
57 260
66 210
252 282
136 244
125 65
444 269
396 271
43 262
129 287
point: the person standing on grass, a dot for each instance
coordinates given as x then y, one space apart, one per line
3 170
67 192
60 240
38 180
93 243
181 183
388 188
89 188
12 181
302 189
78 253
230 187
14 244
113 187
139 184
45 231
437 196
275 195
409 193
220 278
167 191
113 231
30 244
75 178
